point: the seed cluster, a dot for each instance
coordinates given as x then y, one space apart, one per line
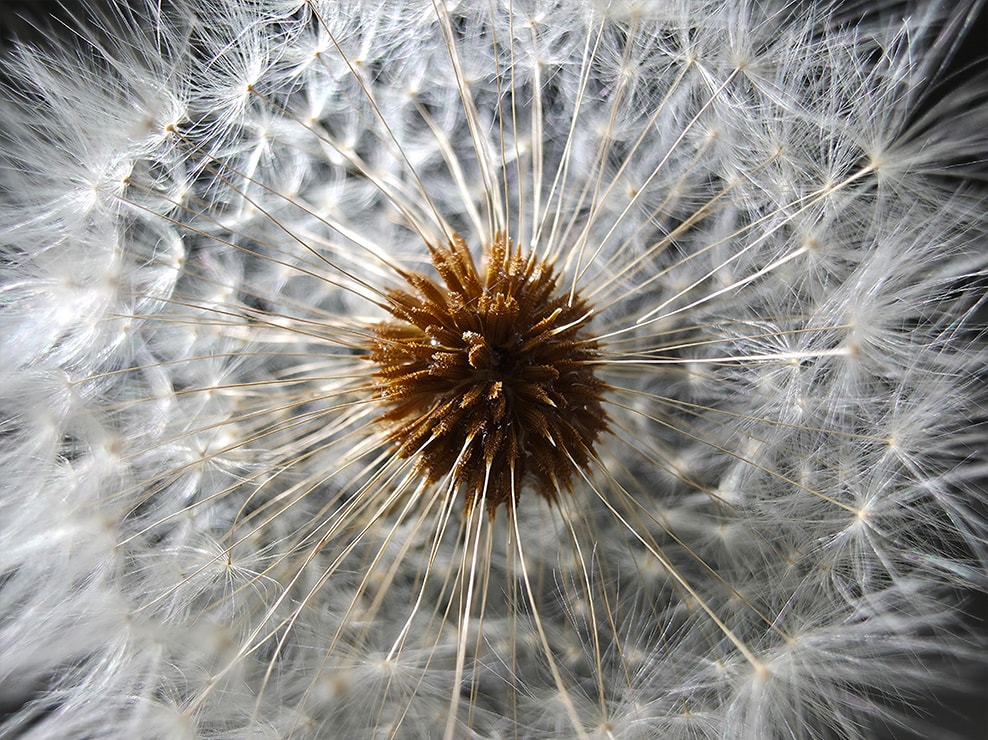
489 378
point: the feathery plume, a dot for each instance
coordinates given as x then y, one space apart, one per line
539 369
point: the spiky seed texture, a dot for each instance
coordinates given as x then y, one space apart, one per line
487 379
721 480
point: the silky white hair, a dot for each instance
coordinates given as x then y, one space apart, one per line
206 532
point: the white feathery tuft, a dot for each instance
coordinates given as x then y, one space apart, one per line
206 530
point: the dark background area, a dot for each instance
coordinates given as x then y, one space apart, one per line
945 713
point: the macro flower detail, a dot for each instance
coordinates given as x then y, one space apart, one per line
529 369
487 379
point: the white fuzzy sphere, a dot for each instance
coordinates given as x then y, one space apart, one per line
205 530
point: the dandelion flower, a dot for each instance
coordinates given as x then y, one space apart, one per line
522 369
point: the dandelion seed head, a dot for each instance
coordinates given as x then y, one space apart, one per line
299 293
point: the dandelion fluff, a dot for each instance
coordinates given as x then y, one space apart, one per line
291 449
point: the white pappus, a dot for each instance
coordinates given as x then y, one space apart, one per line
512 369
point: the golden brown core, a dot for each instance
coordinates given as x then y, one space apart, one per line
489 378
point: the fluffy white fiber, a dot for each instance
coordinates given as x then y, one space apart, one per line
204 531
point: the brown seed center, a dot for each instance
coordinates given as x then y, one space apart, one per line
489 378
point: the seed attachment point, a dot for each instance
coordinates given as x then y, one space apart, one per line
487 377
